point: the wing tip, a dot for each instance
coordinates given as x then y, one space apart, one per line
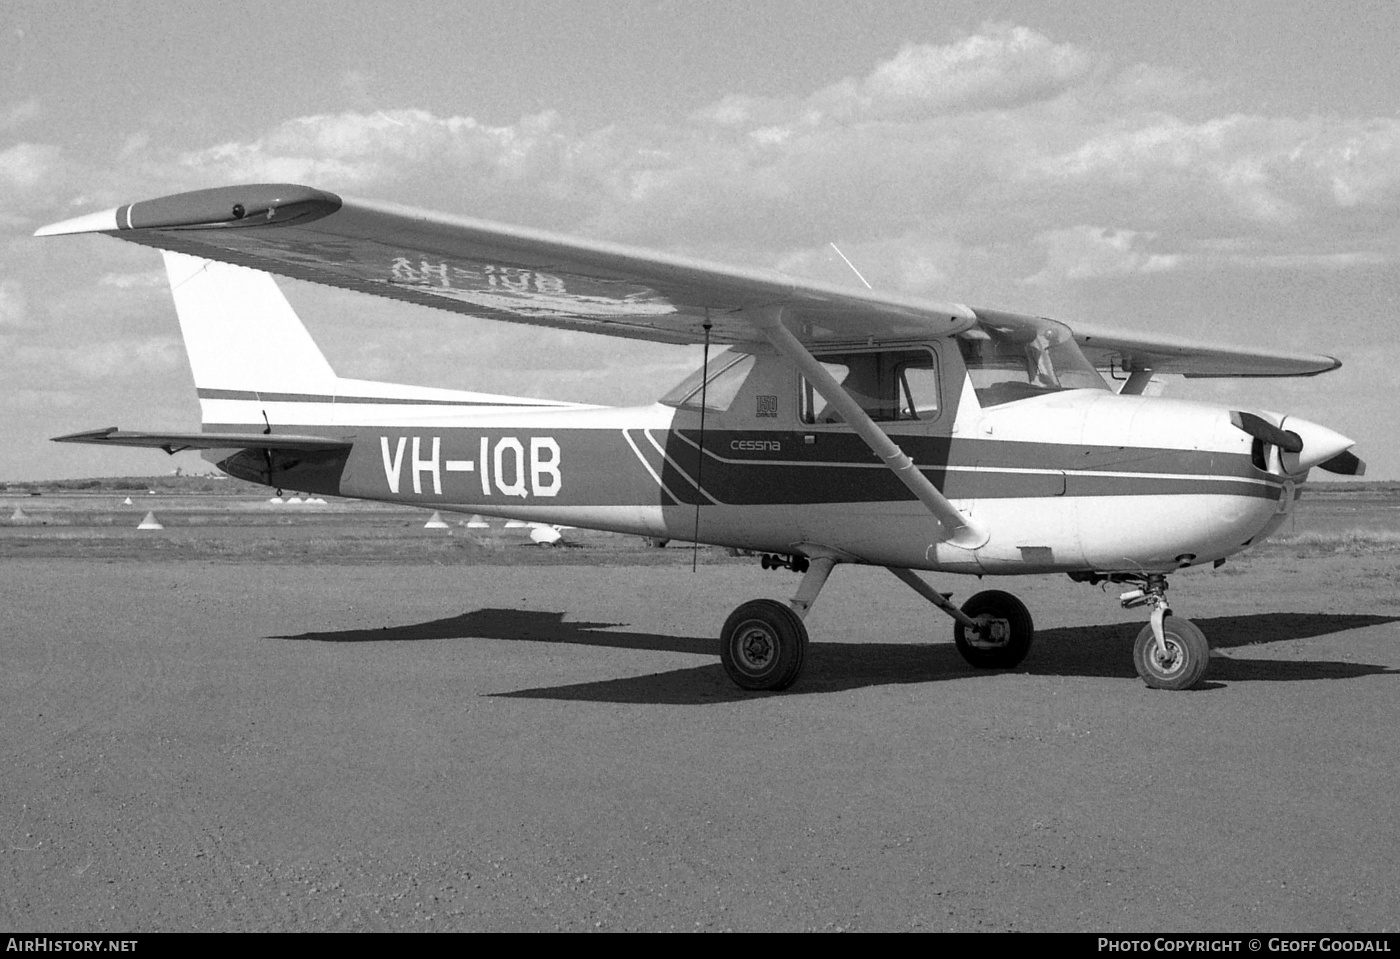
216 208
87 436
104 221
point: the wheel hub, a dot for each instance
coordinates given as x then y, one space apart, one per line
1169 658
990 633
756 648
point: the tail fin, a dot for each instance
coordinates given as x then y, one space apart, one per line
257 369
240 332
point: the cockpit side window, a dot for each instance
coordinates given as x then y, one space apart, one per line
888 385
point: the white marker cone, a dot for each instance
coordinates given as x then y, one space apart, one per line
545 535
19 516
435 522
127 501
150 522
476 522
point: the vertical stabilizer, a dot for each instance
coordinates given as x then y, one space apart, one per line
240 332
256 367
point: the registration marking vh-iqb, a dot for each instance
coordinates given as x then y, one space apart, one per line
504 465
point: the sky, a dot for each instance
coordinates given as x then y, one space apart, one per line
1223 171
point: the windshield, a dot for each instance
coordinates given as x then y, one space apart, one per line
1015 361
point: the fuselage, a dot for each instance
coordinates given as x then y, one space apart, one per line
1067 480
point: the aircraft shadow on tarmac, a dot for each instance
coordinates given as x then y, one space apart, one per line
1098 651
517 624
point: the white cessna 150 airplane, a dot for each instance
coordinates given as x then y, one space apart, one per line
840 426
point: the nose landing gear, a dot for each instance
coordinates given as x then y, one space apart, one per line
1170 652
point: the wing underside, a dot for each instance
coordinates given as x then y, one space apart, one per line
1130 353
477 268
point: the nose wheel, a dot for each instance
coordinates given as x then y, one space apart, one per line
1179 661
1170 652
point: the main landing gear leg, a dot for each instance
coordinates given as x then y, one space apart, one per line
1170 652
811 586
993 630
764 643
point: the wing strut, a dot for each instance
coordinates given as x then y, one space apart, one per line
962 531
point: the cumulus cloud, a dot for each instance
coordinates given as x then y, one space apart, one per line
951 170
993 148
1090 252
1002 66
1252 169
25 165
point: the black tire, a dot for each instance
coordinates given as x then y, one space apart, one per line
1006 640
1188 655
763 645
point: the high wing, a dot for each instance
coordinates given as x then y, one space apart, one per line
518 275
502 272
1135 352
179 442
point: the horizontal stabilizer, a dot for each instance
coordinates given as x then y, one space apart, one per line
179 442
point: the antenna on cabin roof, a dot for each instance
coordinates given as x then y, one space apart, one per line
852 266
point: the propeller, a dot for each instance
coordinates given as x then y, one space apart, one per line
1346 463
1301 444
1261 429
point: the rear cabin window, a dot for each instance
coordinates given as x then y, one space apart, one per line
727 373
889 385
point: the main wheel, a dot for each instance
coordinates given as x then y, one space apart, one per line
1005 636
763 645
1184 663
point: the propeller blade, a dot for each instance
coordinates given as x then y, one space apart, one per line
1262 429
1346 463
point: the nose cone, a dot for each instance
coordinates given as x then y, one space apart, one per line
1320 445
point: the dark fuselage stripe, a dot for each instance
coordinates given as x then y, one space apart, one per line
614 467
